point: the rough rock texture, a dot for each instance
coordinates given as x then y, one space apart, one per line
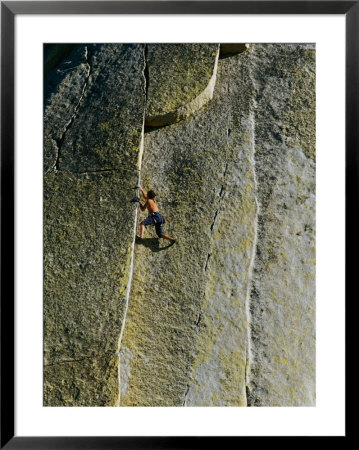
283 293
89 224
186 329
64 85
181 79
226 316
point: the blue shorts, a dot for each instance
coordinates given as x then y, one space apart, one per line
154 219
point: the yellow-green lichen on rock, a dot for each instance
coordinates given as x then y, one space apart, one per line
87 264
186 328
181 79
218 372
225 316
89 225
282 303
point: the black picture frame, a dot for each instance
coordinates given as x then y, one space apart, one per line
9 9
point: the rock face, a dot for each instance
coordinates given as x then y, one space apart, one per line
92 159
180 80
186 329
282 298
226 316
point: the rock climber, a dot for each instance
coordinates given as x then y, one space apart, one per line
154 217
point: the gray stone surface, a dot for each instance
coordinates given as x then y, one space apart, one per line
109 120
283 293
226 316
89 224
63 89
181 80
187 322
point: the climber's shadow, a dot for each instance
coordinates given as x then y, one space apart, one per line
152 243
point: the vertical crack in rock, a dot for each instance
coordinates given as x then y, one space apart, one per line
185 396
252 260
104 143
139 164
146 71
59 142
222 375
156 328
206 266
281 360
214 220
221 196
132 257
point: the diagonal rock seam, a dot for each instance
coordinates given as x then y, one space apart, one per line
215 216
59 142
146 72
186 395
252 259
260 384
209 254
132 249
212 226
242 323
209 89
191 107
129 283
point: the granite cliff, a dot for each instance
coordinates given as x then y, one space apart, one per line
225 134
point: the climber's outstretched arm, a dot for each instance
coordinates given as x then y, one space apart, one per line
143 194
144 206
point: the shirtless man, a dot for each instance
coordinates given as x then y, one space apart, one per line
154 217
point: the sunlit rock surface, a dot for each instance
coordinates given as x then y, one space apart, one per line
225 316
187 321
181 79
89 223
282 299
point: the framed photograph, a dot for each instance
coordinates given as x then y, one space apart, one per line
174 183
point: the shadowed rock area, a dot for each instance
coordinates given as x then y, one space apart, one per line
180 80
232 49
226 316
88 223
